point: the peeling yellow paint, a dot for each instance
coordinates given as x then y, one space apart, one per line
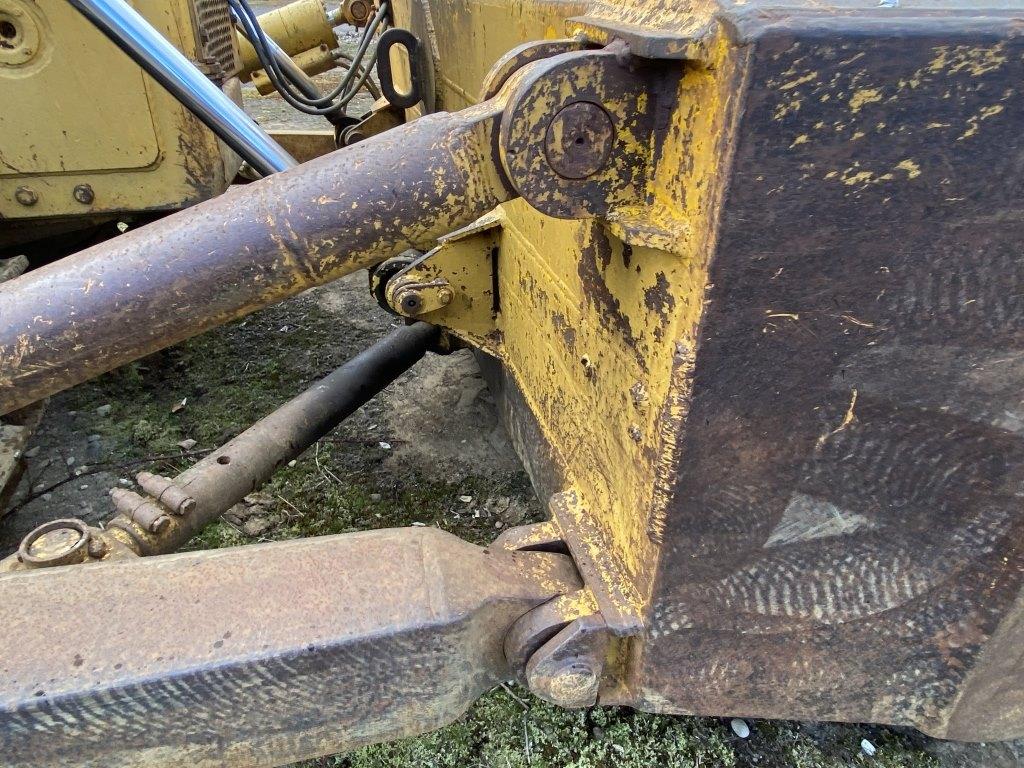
973 122
809 77
913 169
864 96
975 61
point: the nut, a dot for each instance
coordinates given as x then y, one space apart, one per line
83 193
26 196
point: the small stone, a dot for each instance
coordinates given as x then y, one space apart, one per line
104 410
178 406
499 524
868 748
385 446
293 462
740 727
187 445
255 526
70 461
83 487
420 525
375 497
46 496
124 482
31 453
38 487
466 499
82 469
238 514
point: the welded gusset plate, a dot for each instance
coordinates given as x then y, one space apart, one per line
258 655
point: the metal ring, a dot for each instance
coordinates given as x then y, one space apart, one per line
73 554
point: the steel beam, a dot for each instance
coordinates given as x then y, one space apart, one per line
258 655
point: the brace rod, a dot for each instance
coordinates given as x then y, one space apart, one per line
243 465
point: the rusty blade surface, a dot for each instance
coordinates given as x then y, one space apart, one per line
258 655
251 247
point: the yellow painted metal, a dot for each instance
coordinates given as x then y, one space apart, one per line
304 145
312 62
78 113
296 27
600 317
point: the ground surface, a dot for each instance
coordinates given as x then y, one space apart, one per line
411 456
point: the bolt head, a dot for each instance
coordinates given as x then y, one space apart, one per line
575 684
579 140
445 296
411 303
26 196
160 524
83 193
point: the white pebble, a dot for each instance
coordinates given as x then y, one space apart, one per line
740 727
868 748
385 446
466 499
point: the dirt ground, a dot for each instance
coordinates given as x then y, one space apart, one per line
413 455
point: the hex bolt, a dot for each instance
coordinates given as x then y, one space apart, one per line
445 296
579 140
83 193
26 196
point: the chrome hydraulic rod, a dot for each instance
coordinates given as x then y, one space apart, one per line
127 29
249 248
258 655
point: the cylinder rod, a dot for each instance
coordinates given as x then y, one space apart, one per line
169 67
252 246
243 465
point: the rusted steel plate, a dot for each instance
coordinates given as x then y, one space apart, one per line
844 536
258 655
248 248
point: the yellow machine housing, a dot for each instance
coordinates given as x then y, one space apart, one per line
119 142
